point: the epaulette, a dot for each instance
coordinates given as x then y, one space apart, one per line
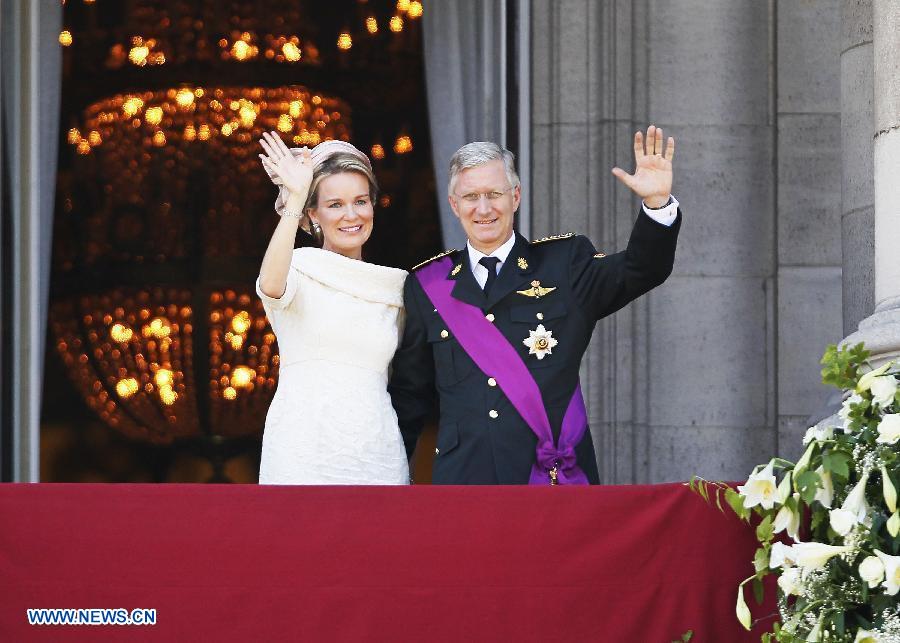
554 237
438 256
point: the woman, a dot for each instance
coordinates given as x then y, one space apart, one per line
337 321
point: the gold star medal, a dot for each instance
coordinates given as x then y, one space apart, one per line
540 342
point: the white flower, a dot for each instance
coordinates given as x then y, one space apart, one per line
790 581
741 609
784 489
889 429
826 493
818 434
855 502
842 521
867 636
787 519
871 570
781 555
540 342
891 572
803 462
889 491
844 413
816 555
893 524
760 489
883 390
865 382
815 634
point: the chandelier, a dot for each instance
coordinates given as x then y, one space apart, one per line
164 213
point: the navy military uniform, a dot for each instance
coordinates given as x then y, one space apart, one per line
481 437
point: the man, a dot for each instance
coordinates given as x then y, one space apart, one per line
499 328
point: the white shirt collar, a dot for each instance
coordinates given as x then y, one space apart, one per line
480 272
501 253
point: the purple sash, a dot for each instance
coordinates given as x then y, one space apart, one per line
496 357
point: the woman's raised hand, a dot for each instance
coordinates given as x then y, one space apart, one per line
295 173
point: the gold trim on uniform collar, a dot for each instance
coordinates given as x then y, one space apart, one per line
438 256
554 237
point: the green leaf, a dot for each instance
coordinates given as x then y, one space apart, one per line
761 559
758 591
736 502
836 462
841 365
807 484
764 530
687 636
838 622
818 517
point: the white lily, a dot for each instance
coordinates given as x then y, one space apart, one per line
791 581
883 390
865 382
842 521
781 555
891 572
825 493
871 570
853 511
814 555
760 489
818 434
867 636
803 462
815 634
855 502
889 429
784 489
889 491
741 609
787 519
893 524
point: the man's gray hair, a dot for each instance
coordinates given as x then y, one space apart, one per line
479 153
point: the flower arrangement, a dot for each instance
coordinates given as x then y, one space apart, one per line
839 578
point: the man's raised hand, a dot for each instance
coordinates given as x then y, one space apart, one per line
652 178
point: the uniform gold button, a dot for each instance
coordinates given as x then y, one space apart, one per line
492 381
437 452
540 315
445 334
494 415
489 317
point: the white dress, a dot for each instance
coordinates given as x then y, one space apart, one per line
331 420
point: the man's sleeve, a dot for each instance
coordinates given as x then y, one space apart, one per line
411 386
605 283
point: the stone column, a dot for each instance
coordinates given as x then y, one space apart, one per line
682 381
881 330
808 165
857 194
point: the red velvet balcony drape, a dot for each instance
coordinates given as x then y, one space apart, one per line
250 563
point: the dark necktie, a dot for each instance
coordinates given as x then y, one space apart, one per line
491 264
